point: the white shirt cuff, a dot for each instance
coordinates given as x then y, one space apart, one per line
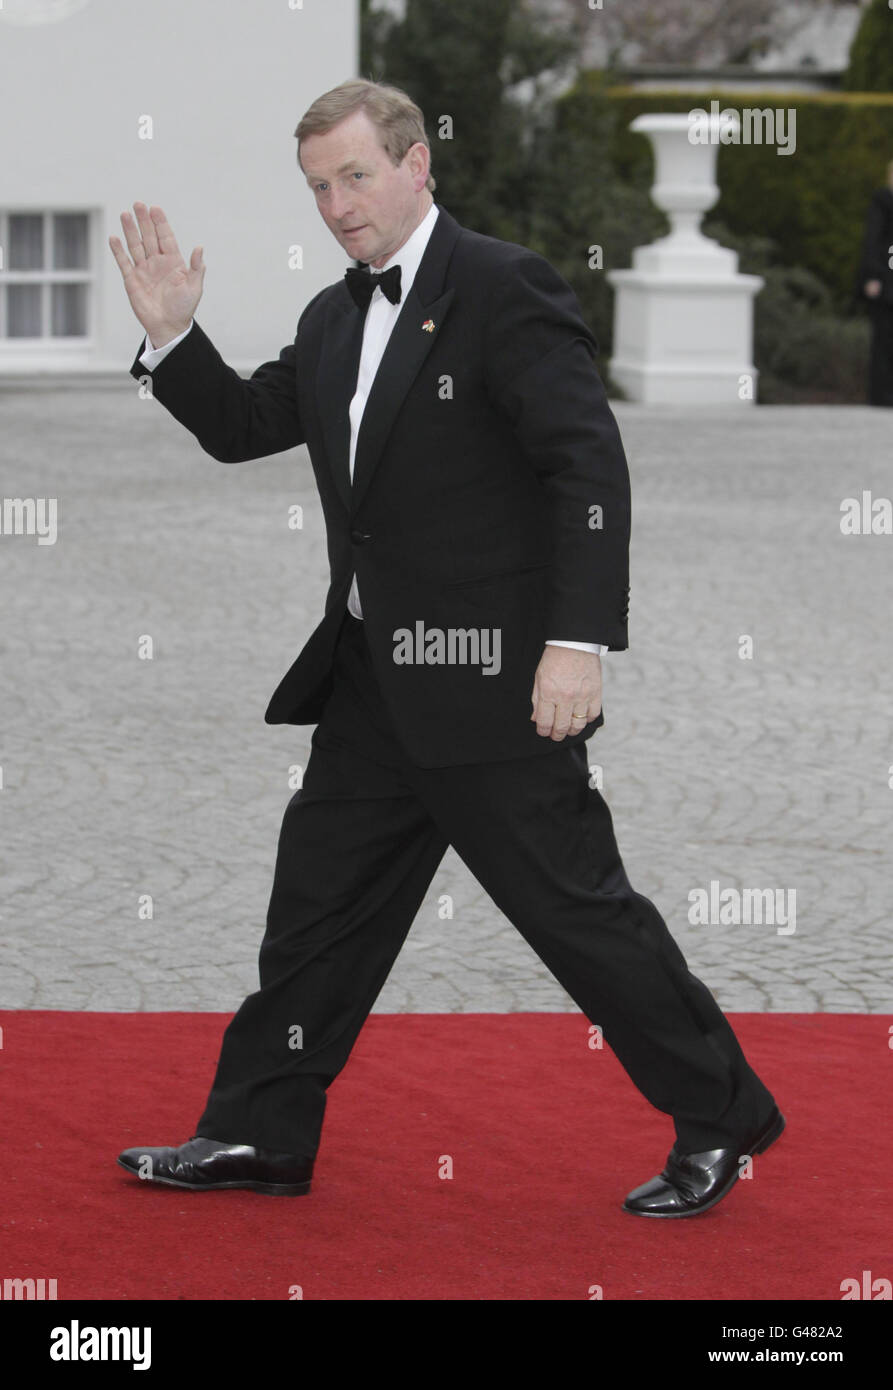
597 647
152 356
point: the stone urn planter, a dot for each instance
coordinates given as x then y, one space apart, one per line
683 314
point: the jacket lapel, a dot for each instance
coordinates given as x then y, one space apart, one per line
336 379
427 302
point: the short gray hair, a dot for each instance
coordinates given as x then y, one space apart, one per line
400 123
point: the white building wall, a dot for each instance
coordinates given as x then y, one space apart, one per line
225 83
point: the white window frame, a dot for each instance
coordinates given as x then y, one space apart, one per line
46 277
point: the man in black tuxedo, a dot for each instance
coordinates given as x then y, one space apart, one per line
874 283
476 499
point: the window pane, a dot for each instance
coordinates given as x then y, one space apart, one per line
23 311
70 241
26 241
69 311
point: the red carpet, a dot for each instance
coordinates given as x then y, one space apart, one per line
546 1137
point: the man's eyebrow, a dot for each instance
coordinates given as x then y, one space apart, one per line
351 164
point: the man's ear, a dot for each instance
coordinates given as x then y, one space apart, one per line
420 164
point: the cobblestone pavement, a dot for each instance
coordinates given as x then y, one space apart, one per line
124 777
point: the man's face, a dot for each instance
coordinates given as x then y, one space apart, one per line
369 205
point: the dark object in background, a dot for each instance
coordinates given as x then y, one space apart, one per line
877 253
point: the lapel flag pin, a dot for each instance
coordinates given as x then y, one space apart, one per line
428 326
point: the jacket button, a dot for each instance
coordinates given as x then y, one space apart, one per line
360 537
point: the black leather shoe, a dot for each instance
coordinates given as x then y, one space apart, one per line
692 1183
207 1165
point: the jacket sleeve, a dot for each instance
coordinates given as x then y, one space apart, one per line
541 375
232 419
875 262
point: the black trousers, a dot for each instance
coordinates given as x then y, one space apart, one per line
880 366
359 845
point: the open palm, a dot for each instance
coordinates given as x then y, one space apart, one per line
163 290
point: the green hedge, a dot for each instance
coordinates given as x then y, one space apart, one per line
871 52
812 204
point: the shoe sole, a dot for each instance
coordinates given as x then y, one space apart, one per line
773 1131
274 1189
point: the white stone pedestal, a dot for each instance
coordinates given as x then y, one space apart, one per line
683 315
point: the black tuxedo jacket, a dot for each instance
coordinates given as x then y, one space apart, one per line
490 503
877 240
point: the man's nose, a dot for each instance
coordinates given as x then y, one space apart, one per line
340 206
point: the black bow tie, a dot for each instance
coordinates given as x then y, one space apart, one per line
361 284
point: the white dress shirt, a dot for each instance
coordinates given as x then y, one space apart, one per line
381 316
